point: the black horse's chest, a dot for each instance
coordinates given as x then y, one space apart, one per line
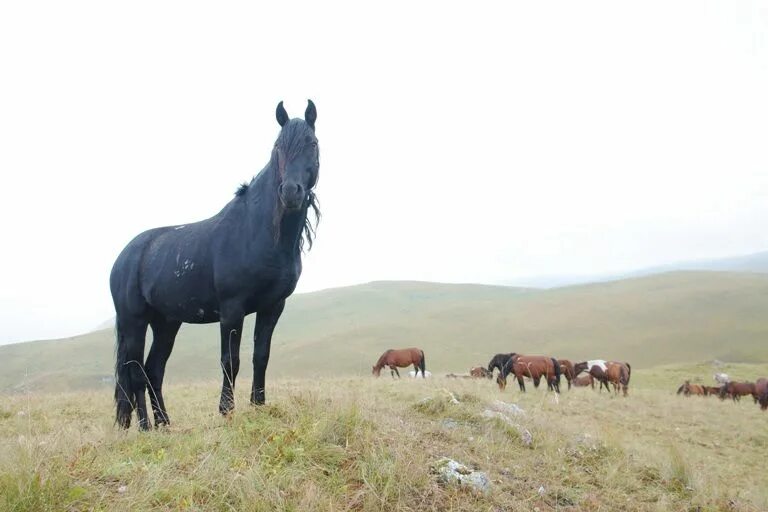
269 283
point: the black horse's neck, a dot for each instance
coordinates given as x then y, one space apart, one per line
266 213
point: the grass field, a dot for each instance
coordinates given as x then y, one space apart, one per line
663 319
367 444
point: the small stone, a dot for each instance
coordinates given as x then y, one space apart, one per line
122 489
542 491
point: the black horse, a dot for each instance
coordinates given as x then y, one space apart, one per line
499 362
245 259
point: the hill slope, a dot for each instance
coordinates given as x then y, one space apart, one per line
661 319
754 263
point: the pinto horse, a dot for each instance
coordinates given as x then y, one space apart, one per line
688 389
534 367
245 259
597 368
569 372
738 389
761 388
402 358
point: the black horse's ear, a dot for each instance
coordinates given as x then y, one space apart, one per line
281 114
310 115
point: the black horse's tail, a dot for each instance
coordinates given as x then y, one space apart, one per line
423 365
629 372
124 398
558 373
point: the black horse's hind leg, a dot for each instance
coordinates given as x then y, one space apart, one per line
131 377
521 383
416 370
231 328
163 335
262 341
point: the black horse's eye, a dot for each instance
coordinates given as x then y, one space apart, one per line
314 144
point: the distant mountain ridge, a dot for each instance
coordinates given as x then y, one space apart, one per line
755 262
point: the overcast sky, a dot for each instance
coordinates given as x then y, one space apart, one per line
460 141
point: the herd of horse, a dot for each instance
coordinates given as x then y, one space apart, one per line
520 367
735 390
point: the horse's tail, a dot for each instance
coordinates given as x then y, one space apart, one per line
124 399
629 372
558 371
680 389
423 364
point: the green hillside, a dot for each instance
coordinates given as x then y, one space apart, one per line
661 319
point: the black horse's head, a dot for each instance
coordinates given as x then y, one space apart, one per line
298 157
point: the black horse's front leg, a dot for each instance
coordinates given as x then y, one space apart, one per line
231 325
262 340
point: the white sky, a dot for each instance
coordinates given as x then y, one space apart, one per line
460 141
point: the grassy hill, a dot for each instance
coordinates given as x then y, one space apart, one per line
660 319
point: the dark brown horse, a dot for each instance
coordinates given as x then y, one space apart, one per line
738 389
401 358
584 381
567 368
534 367
761 388
688 389
618 374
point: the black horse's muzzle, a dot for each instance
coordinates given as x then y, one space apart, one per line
291 195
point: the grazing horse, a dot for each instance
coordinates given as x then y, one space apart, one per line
722 378
761 388
597 368
738 389
401 358
245 259
584 381
498 362
688 389
569 372
711 390
478 372
534 367
618 374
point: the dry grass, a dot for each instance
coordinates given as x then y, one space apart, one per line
366 444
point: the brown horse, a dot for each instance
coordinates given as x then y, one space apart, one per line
478 372
566 367
688 389
534 367
401 358
618 374
738 389
711 390
584 381
761 388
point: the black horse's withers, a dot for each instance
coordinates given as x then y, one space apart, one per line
245 259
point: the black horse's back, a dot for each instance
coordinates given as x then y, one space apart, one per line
245 259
